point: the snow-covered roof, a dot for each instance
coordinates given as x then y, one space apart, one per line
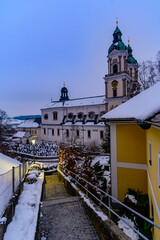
29 123
19 135
77 102
12 121
141 107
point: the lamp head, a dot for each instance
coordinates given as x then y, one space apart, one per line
33 141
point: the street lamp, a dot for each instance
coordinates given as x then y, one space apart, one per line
33 143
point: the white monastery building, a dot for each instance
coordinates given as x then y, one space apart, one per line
80 120
74 121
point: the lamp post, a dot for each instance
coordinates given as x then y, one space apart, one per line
33 143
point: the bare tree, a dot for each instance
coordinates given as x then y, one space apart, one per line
3 124
158 65
149 73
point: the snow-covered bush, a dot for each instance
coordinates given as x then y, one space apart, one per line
76 160
50 167
140 203
31 178
35 166
33 172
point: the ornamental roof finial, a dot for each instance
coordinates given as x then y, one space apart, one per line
128 40
116 21
64 84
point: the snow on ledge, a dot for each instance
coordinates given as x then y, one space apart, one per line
91 205
24 223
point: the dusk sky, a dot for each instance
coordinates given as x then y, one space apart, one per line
44 43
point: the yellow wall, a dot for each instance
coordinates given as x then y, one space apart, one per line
153 134
130 178
131 146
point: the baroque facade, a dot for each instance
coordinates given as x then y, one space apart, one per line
79 120
121 82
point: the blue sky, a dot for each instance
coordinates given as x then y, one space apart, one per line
44 43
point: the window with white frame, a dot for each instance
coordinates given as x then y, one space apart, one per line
77 133
89 133
52 132
55 115
150 153
67 133
101 134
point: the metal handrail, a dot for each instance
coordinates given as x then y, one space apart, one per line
108 207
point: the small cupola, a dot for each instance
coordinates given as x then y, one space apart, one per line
64 94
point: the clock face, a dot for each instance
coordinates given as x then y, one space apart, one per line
114 84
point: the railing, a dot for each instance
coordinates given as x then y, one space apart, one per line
76 179
9 183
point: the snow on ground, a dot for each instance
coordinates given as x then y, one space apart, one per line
126 229
102 160
23 225
6 163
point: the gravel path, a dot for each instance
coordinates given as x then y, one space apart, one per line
62 216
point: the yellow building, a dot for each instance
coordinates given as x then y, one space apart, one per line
135 149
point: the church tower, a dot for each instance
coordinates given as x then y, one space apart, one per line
121 80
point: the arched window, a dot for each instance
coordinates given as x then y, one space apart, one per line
45 116
91 115
80 115
70 115
115 68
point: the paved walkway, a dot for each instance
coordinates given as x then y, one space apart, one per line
62 216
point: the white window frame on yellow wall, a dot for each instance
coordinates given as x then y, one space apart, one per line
150 153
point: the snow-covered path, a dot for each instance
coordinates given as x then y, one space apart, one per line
62 215
23 225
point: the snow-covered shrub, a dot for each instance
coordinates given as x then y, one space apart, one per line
140 203
31 178
49 167
76 160
33 172
35 166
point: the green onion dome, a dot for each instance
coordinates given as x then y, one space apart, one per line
117 41
130 58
